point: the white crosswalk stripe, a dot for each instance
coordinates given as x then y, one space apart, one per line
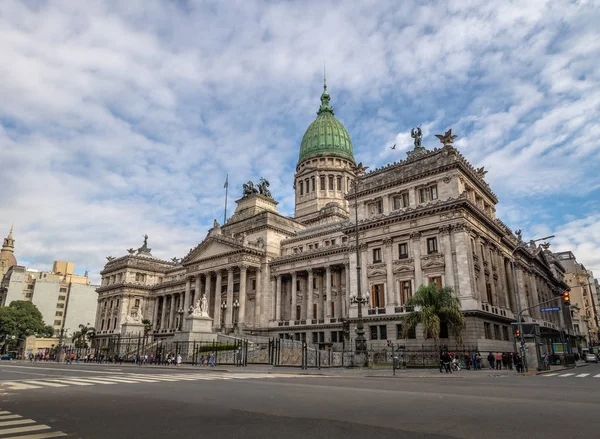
582 375
550 374
133 378
566 375
16 426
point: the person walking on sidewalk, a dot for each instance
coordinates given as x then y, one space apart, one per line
498 360
490 359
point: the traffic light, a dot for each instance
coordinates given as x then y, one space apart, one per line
517 333
566 298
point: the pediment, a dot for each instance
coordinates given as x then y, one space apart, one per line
211 247
433 264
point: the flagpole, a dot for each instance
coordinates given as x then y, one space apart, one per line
226 190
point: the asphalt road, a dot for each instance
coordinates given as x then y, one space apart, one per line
45 400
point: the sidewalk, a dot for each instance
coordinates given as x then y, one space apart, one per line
561 367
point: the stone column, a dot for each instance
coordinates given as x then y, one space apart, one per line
278 305
340 299
364 279
293 305
481 289
163 316
328 291
171 311
389 287
416 251
207 286
448 262
229 310
242 299
196 290
217 304
309 295
273 294
346 304
155 318
188 292
511 286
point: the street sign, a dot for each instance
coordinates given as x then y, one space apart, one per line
557 308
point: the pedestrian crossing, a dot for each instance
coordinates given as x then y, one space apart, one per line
56 382
13 426
570 374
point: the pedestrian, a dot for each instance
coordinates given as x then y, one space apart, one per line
490 359
498 360
211 360
178 359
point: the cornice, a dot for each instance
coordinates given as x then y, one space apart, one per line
311 254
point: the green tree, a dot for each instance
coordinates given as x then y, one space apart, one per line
20 320
433 307
147 326
84 336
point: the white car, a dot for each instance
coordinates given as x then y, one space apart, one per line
591 358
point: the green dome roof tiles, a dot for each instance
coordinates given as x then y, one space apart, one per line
326 136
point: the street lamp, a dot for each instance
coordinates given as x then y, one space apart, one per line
361 341
519 245
223 309
236 307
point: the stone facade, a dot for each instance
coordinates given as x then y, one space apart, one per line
429 218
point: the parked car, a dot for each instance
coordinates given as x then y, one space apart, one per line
9 356
591 358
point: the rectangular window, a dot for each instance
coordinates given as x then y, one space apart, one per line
60 305
331 182
379 206
398 332
497 332
488 289
422 195
102 325
428 194
405 202
382 332
301 188
322 178
334 336
339 183
297 285
253 284
30 287
117 303
332 308
63 290
236 287
62 297
432 246
298 311
401 201
373 332
405 291
377 296
377 255
505 333
433 195
58 314
137 303
314 283
403 250
314 316
307 185
315 337
314 186
487 329
29 295
437 281
57 322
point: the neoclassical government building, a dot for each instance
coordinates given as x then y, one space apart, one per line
429 218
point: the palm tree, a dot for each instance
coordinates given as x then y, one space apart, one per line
432 307
86 333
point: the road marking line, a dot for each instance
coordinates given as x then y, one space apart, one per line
44 383
7 417
39 435
74 381
130 381
566 375
74 369
581 375
17 422
19 386
597 376
4 413
550 374
23 429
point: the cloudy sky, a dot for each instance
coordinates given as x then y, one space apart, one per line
120 118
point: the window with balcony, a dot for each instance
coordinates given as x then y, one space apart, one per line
376 255
403 250
432 246
405 291
377 296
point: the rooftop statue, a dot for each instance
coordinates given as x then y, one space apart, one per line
447 138
417 134
261 188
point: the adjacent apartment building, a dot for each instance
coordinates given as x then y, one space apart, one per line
64 298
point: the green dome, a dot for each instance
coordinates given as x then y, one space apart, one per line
326 136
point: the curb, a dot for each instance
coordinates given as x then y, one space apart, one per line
544 372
